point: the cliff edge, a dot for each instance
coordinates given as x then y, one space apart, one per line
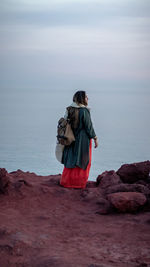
106 224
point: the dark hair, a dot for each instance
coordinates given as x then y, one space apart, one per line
79 97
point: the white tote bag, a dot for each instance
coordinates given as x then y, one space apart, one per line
59 152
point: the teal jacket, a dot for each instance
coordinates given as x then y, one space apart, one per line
77 154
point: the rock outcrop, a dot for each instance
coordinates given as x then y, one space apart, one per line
121 187
105 224
110 189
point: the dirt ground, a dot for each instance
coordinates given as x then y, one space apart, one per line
43 224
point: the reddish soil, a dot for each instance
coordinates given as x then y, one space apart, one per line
43 224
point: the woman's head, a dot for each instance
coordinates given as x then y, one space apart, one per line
80 97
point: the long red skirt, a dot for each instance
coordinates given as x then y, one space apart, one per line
76 177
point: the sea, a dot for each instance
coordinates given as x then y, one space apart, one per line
28 128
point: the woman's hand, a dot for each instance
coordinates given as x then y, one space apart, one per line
96 141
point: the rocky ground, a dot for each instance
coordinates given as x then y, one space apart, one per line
107 224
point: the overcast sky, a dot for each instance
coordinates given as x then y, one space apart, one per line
75 43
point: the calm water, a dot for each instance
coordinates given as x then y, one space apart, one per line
28 121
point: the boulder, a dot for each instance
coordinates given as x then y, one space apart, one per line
131 173
4 180
107 178
127 201
128 188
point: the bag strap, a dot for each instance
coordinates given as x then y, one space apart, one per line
73 116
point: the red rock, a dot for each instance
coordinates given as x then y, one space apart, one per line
127 201
108 178
130 173
44 224
128 188
4 180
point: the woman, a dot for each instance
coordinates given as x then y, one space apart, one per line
77 156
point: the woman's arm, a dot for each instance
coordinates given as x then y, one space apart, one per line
96 141
89 126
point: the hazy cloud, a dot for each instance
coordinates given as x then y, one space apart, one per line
78 40
70 12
